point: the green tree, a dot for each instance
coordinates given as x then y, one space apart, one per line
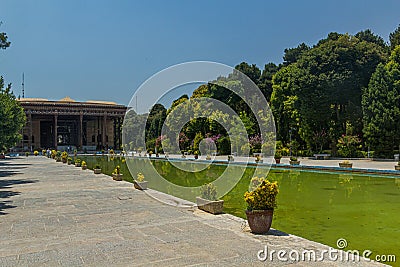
370 37
381 107
12 115
265 80
394 38
4 43
292 55
12 118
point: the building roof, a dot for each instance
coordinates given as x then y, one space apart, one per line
66 99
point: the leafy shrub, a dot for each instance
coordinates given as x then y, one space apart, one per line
209 191
263 197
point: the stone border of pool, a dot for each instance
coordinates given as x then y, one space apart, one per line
288 167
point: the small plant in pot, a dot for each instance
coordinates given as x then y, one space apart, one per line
69 160
44 152
260 206
196 154
208 200
397 167
84 165
294 161
27 154
345 164
58 156
64 157
259 159
139 182
36 153
117 175
278 156
78 163
97 169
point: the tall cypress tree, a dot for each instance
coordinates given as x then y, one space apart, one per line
380 103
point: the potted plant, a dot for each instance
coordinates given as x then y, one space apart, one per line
345 164
117 175
150 153
208 200
44 152
397 167
26 154
111 151
259 159
36 153
139 182
196 154
260 206
64 157
278 156
97 169
208 157
294 161
230 158
69 160
53 154
58 156
84 165
78 163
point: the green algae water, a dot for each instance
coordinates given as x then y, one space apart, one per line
323 207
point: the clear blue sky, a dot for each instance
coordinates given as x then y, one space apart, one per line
104 50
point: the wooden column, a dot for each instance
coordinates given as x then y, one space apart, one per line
55 130
80 130
30 131
104 132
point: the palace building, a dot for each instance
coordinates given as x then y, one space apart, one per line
68 124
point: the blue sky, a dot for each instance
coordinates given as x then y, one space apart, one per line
104 50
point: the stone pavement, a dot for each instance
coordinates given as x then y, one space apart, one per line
52 214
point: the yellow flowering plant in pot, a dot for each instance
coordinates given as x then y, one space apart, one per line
260 205
117 175
139 182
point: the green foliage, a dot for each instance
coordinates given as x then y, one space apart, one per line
321 91
196 141
12 118
209 191
381 107
394 38
347 146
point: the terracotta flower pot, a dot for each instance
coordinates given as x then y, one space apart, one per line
117 177
97 171
345 165
260 220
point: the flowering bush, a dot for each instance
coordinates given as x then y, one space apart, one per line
263 197
117 170
140 177
347 145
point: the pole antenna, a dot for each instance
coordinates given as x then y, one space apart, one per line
23 85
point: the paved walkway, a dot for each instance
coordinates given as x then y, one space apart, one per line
52 214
